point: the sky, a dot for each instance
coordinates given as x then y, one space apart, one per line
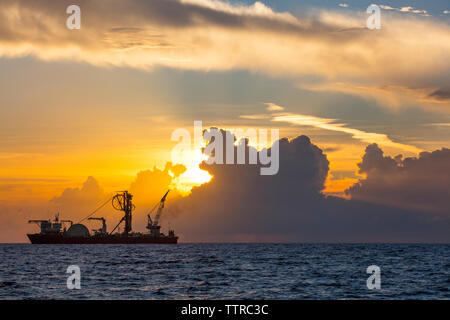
91 111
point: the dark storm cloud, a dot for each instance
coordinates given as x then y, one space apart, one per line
421 183
241 205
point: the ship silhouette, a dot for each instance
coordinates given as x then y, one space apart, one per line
55 232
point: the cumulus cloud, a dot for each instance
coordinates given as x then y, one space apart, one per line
420 183
72 203
90 192
148 188
241 205
215 35
150 185
76 203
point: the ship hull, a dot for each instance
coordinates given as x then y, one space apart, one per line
60 239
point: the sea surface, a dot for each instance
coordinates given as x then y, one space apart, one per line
225 271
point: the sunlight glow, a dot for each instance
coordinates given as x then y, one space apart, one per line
193 176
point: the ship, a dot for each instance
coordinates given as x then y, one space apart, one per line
59 231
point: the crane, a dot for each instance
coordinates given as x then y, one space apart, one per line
103 228
152 225
160 208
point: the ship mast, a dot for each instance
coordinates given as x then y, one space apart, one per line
122 202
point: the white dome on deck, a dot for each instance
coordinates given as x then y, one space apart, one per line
78 230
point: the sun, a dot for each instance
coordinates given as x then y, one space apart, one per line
193 176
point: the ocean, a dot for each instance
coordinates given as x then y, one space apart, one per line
225 271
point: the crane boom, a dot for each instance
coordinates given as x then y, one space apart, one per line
160 209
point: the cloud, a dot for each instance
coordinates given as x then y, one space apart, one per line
413 10
90 192
148 188
392 96
255 116
72 203
442 124
76 203
333 125
273 107
150 185
420 183
343 5
241 205
32 180
342 174
442 94
407 9
214 35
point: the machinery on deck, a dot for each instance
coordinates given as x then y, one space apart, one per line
102 230
79 234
